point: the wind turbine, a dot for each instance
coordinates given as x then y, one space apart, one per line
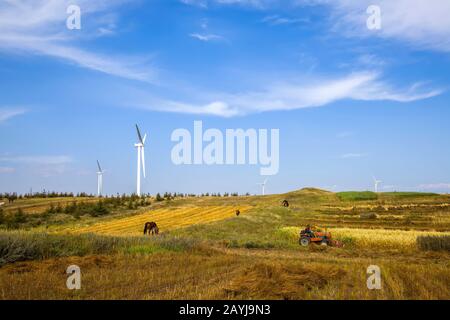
140 156
376 183
99 180
263 185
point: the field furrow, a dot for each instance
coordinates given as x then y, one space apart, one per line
167 219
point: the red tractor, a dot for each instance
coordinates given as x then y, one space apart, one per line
317 236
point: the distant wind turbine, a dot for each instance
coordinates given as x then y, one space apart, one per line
140 156
99 180
376 183
263 185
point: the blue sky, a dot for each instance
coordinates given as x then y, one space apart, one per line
350 103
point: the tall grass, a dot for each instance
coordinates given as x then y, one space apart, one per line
373 238
20 246
434 243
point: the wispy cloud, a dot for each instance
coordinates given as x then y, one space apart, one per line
421 23
38 27
260 4
46 160
352 155
206 37
42 165
275 20
344 134
4 170
435 186
7 113
365 86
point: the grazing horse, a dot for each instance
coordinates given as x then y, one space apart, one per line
151 228
285 203
238 213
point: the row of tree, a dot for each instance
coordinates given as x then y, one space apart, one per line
11 197
76 209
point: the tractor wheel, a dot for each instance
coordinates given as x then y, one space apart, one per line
304 242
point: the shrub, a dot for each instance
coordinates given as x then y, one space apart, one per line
434 243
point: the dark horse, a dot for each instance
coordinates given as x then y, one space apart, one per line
238 213
285 203
151 228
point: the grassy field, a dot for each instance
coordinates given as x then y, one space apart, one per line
205 251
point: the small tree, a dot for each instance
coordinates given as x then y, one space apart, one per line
158 197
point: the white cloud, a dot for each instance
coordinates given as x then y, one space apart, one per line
421 23
275 20
364 86
44 166
352 155
258 4
344 134
4 170
38 27
206 37
435 186
8 113
39 160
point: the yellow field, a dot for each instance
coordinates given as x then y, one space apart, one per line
166 219
372 238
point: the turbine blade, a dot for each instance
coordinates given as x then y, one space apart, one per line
139 134
145 137
99 168
143 161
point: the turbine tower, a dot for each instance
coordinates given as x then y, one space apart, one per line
140 156
263 185
376 183
99 180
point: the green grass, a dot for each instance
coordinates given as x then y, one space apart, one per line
357 195
22 246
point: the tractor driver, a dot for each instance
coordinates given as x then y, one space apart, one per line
309 231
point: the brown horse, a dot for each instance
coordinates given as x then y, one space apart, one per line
285 203
151 228
238 213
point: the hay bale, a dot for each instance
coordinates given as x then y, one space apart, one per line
368 215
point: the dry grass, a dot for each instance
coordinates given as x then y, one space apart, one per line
191 260
372 238
242 274
434 242
167 219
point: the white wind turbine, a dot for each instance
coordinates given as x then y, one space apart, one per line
140 156
376 183
263 185
99 180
